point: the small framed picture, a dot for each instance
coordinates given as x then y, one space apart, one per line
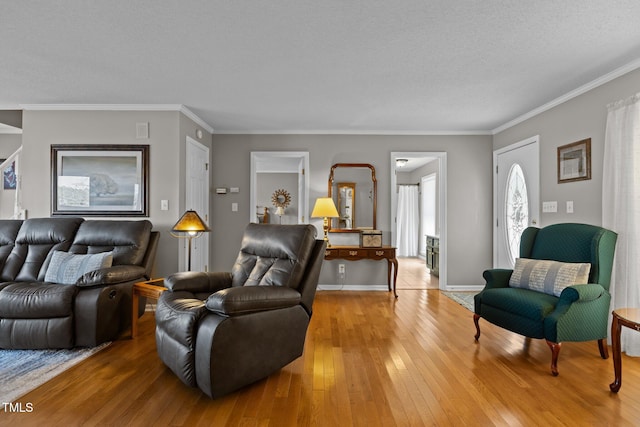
574 161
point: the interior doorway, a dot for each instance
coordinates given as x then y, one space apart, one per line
197 199
292 167
409 168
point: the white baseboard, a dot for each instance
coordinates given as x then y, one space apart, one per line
327 287
465 288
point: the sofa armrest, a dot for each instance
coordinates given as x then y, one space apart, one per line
497 278
198 282
111 275
249 299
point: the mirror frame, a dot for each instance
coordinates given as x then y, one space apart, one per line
375 193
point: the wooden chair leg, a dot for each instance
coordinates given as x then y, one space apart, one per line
555 351
476 317
604 349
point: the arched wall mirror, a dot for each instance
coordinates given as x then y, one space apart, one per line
354 190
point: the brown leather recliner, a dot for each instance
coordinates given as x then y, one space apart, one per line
220 331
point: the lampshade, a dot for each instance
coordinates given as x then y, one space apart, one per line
280 211
324 208
190 222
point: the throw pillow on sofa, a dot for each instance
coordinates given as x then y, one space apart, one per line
550 277
66 268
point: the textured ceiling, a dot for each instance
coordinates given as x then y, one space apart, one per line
309 65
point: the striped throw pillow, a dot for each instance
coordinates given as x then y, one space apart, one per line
550 277
66 268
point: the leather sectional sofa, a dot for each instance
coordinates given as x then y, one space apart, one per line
67 282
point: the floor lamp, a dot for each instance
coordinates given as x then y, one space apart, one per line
325 208
192 226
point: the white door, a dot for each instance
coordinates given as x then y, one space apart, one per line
197 198
517 198
428 221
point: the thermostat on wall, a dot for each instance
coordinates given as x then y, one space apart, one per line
221 190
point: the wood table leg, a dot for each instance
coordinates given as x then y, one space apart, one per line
134 314
616 329
392 262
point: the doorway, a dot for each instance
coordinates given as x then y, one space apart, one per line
516 186
197 199
292 167
416 161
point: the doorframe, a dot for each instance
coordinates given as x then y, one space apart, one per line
276 161
441 158
182 250
531 140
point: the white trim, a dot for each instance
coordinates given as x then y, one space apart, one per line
354 132
119 107
570 95
377 288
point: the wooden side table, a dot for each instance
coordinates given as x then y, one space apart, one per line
629 317
150 289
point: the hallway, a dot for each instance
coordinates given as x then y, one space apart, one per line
413 274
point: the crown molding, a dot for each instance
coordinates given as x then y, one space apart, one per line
354 132
618 72
120 107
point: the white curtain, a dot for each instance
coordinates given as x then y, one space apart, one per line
408 220
621 207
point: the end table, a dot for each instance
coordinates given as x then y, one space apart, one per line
150 289
629 317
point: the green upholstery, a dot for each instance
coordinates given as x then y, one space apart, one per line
579 314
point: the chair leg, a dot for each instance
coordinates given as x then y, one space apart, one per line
604 349
476 317
555 351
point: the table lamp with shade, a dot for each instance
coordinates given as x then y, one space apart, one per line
191 226
325 208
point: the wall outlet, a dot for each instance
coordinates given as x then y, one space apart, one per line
341 268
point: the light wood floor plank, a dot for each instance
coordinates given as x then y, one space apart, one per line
369 360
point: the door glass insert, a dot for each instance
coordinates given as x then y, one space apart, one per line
516 210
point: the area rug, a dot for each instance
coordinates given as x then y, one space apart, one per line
24 370
465 299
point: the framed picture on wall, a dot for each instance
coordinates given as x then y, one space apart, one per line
574 161
99 180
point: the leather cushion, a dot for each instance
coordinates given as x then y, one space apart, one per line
27 300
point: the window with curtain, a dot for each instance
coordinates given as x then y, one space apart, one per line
621 207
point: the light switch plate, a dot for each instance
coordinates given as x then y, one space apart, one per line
550 206
569 206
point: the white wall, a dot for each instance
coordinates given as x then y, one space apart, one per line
469 200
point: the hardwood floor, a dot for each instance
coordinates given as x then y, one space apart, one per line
413 274
369 360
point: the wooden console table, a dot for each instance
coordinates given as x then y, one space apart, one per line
357 253
150 289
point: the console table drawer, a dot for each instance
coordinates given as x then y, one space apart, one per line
354 253
381 253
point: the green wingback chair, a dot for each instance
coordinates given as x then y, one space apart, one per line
576 313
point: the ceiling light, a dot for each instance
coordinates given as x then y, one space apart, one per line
401 162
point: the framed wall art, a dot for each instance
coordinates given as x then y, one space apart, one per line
574 161
99 180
